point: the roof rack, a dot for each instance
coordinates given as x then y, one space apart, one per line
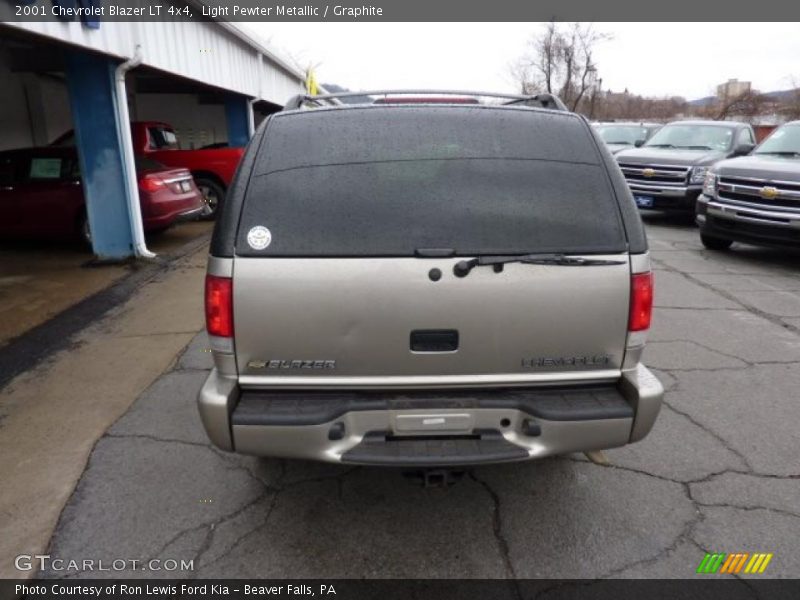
544 100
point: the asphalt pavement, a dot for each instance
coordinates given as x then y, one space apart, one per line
720 472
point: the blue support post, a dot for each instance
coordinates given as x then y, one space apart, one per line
236 114
93 98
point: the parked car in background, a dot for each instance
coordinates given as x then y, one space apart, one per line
756 198
668 171
41 195
621 135
366 288
212 167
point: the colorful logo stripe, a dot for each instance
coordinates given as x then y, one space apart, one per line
720 562
758 564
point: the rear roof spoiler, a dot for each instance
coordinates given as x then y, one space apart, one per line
544 100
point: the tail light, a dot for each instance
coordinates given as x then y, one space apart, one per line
641 301
219 306
151 184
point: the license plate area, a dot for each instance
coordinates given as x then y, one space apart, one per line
432 423
644 201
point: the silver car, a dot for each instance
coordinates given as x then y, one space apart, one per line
428 284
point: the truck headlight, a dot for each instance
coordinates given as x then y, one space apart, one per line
710 185
698 175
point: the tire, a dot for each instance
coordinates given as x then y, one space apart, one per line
213 195
715 243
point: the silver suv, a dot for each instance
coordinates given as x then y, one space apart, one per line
428 283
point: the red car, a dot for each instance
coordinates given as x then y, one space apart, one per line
41 194
211 166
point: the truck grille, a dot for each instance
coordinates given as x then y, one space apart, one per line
759 193
663 175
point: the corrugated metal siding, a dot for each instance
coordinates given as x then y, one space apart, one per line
205 52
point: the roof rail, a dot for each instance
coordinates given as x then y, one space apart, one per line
543 100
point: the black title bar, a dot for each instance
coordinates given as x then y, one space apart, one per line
708 587
399 10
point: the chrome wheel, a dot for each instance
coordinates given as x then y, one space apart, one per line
213 196
210 201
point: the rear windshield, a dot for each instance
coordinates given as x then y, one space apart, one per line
386 181
161 138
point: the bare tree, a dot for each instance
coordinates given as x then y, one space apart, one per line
594 96
626 106
791 103
560 60
746 104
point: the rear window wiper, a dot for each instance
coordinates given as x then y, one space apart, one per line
660 145
463 267
696 147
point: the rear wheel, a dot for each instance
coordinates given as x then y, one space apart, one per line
715 243
213 197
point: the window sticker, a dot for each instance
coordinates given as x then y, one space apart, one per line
259 237
45 168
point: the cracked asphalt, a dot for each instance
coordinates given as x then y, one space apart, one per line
720 472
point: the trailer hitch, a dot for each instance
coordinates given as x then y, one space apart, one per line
435 477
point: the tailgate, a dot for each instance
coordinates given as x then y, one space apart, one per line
385 322
340 230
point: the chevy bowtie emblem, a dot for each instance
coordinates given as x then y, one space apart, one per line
768 193
648 172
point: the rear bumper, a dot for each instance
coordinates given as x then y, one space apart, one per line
429 428
163 221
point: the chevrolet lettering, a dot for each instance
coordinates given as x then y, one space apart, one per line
566 361
292 364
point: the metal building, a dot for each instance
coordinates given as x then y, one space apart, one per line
210 77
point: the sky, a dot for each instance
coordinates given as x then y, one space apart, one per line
653 59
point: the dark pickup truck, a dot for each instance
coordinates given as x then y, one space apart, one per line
668 171
754 199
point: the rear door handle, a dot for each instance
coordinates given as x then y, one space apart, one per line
434 340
